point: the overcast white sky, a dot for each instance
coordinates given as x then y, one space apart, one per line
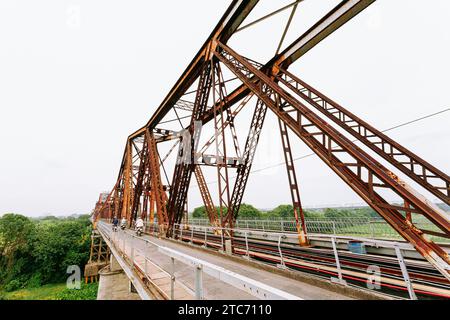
76 77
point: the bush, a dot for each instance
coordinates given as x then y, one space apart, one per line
35 281
284 211
87 292
14 285
36 252
199 213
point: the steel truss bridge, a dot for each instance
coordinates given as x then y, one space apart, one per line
216 86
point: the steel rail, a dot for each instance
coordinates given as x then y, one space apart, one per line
268 251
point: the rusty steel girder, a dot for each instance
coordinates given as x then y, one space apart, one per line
228 24
156 187
139 187
185 160
206 197
332 21
422 172
293 184
247 160
328 143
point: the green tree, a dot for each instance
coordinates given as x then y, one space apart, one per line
331 213
350 213
15 233
249 211
313 214
284 211
38 251
199 213
16 239
59 245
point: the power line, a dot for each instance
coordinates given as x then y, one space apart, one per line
417 120
312 154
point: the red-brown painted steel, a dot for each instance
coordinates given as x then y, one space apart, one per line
139 185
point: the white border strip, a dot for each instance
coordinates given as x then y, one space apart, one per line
252 287
130 274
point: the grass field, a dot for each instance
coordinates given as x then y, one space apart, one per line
53 292
46 292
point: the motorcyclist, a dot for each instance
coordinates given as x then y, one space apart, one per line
139 223
115 223
123 223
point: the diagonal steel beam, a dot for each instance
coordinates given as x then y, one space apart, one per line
422 172
323 139
228 24
332 21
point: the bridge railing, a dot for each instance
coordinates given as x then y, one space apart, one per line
364 227
283 242
216 237
142 254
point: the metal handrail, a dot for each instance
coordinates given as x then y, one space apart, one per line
332 238
187 231
252 287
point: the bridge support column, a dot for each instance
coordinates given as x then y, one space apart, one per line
114 265
114 283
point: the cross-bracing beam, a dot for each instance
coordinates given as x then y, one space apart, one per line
287 97
329 144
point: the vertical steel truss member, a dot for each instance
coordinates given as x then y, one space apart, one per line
328 143
157 188
212 213
187 149
206 196
425 174
99 257
219 94
243 171
127 184
139 189
293 185
292 177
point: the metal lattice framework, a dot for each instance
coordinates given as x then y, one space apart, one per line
203 95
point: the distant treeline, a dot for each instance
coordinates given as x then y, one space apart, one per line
34 252
286 211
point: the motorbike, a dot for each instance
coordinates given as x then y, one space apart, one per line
122 226
114 228
139 231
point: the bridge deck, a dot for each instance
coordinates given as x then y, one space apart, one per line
222 291
157 267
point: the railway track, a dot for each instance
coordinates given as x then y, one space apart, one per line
319 261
